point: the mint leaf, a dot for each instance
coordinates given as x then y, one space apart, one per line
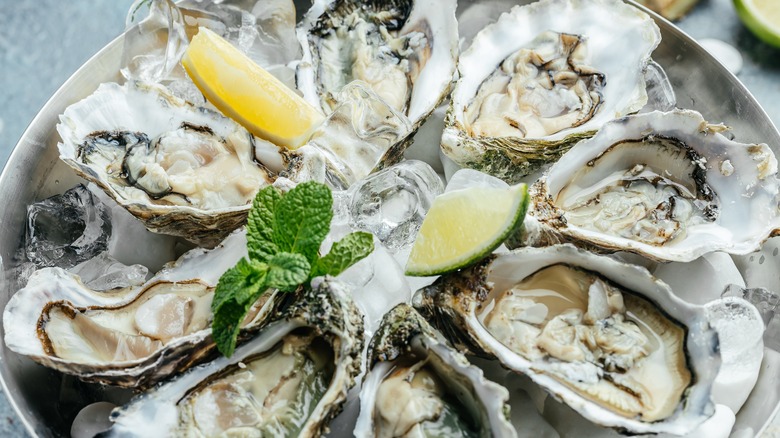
287 271
260 224
302 219
237 289
227 323
345 253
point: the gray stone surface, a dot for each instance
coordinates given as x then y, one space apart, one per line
42 42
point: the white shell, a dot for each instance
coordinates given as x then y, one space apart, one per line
743 178
405 335
619 38
455 301
22 317
326 309
152 111
436 20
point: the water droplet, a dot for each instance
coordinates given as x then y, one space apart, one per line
761 260
774 253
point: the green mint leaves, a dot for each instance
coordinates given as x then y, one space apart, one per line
284 234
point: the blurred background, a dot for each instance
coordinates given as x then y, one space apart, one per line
42 42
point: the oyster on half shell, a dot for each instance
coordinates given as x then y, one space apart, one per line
289 379
606 338
543 77
132 337
182 170
418 385
405 50
668 186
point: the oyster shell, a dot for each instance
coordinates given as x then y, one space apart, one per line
420 386
289 379
543 77
667 186
405 50
182 170
604 337
131 337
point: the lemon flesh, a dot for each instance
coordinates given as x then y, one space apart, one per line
247 93
762 17
464 226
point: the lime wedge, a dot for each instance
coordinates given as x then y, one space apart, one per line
762 17
247 93
464 226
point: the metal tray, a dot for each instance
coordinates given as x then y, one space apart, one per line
47 401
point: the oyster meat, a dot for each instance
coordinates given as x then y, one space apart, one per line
183 170
419 386
405 50
543 77
667 186
289 379
606 338
132 337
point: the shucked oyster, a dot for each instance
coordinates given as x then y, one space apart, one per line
289 379
668 186
405 50
543 77
419 386
133 337
606 338
182 170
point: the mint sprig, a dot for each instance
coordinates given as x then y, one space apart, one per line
284 234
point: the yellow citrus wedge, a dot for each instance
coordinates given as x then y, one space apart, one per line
464 226
247 93
762 17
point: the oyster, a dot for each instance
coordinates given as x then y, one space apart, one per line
667 186
183 170
289 379
132 337
606 338
405 50
419 386
543 77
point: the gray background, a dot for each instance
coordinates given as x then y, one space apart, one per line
42 42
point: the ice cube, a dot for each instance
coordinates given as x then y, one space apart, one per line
92 420
378 284
701 280
740 330
660 94
761 268
162 33
467 178
362 134
66 229
766 302
104 273
392 203
131 243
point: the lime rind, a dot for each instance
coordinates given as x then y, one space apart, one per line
753 19
512 226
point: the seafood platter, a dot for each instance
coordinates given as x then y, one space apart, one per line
637 296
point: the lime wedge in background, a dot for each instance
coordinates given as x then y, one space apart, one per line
463 226
762 17
247 93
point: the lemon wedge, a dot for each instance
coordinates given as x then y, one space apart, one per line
247 93
463 226
762 17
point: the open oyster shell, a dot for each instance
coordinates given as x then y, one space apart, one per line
405 50
606 338
132 337
668 186
182 170
419 385
543 77
289 379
